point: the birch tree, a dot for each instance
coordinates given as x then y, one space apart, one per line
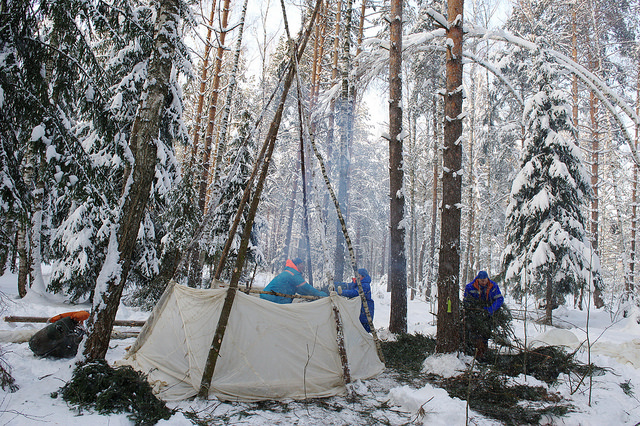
143 147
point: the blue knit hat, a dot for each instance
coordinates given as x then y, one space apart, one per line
363 272
482 275
297 261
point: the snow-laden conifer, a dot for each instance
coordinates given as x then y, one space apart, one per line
548 253
243 145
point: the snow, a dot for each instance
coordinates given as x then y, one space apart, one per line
615 345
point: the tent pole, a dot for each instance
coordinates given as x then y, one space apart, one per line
352 255
216 344
305 208
342 350
343 223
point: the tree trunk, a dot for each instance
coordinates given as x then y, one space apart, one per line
37 281
411 280
615 177
292 207
574 56
338 262
345 123
23 258
447 335
305 207
434 198
423 287
634 196
208 140
226 112
595 162
24 227
397 261
203 86
467 266
548 311
143 145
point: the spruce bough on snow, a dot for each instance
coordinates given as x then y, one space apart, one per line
96 385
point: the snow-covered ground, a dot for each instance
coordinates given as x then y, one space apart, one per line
615 345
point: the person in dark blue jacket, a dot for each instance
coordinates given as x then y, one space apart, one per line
351 291
482 298
290 281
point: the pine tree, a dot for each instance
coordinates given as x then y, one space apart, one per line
548 253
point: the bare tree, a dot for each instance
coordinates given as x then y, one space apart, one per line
208 139
397 260
447 336
203 83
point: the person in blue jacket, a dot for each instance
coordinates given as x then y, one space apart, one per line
482 298
290 281
351 291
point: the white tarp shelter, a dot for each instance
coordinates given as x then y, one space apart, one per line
269 351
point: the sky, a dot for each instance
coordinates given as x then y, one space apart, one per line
615 346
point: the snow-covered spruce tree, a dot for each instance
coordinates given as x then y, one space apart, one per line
548 253
123 34
178 220
225 212
45 61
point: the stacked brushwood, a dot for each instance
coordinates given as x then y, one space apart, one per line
498 326
487 387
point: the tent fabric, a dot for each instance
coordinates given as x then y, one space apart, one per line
269 351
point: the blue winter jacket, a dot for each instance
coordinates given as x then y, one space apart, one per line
490 294
352 291
290 281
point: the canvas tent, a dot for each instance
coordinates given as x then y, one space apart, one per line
269 351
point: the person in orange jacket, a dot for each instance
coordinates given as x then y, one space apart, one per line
290 281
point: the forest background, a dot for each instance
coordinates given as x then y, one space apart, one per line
93 93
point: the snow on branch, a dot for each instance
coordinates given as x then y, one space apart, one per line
599 87
438 17
496 72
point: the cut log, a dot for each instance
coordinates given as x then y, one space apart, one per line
121 323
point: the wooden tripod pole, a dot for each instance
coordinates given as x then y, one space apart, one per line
350 247
216 344
342 350
365 305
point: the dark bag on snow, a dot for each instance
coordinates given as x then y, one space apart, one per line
58 340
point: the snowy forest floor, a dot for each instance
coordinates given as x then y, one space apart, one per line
389 399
